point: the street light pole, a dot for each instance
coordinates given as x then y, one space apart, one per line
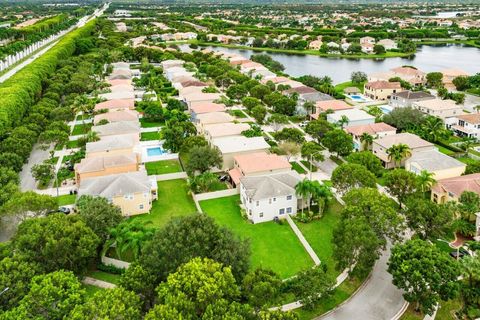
4 290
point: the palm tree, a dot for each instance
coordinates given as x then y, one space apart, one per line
303 189
82 104
322 194
129 235
398 152
433 128
367 140
467 143
425 180
470 270
343 121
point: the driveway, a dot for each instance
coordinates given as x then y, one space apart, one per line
378 299
27 182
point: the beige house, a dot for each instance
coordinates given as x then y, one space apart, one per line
193 98
117 116
112 145
435 162
219 130
103 166
257 164
439 108
449 75
117 128
315 44
230 147
414 142
381 90
133 192
451 189
116 104
205 119
376 130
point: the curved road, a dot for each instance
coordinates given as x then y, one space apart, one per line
378 299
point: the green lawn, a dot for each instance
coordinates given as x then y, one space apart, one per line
104 276
90 289
162 167
341 86
66 199
447 309
410 314
297 167
319 234
444 150
81 128
144 123
173 201
237 113
147 136
72 144
273 246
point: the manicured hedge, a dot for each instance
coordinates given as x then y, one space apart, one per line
22 90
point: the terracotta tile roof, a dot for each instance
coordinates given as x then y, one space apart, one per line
457 185
301 90
408 71
116 116
383 85
411 140
473 118
261 161
334 105
116 104
206 107
372 129
116 82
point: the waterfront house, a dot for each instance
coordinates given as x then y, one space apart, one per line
388 44
381 90
268 197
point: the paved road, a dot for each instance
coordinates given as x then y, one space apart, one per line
27 182
32 58
378 299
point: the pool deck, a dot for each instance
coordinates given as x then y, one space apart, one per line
144 145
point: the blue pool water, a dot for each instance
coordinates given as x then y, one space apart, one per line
386 109
357 98
157 151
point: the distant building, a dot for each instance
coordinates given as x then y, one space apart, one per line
388 44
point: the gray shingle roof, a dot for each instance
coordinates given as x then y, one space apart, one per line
116 185
262 187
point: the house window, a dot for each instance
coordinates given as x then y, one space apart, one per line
451 195
281 211
289 210
289 197
274 199
260 214
270 201
140 207
258 202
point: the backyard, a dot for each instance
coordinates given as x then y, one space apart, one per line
147 136
274 246
162 167
144 123
174 200
66 199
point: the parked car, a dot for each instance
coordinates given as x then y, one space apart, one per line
303 124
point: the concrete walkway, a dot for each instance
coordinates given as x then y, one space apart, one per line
377 299
98 283
303 241
37 156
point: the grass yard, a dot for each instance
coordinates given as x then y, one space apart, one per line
444 150
237 113
90 289
81 129
162 167
147 136
410 314
319 234
336 159
72 144
104 276
447 309
298 168
339 295
173 201
66 199
273 246
306 163
341 86
144 123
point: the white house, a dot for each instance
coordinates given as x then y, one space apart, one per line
269 196
355 117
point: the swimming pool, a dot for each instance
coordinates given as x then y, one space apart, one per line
156 151
358 98
386 109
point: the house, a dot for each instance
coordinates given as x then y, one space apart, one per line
117 82
193 98
381 90
116 104
367 48
258 163
367 40
133 192
237 145
439 108
355 117
219 130
307 94
451 189
376 130
211 118
449 75
118 128
328 106
315 44
120 74
435 162
466 125
103 166
205 107
407 98
351 90
388 44
414 76
167 64
268 197
414 142
112 145
121 88
118 95
117 116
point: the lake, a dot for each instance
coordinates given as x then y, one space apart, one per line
428 58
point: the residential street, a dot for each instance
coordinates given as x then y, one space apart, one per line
378 299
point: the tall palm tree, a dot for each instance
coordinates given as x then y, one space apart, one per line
367 140
425 180
303 189
398 152
322 194
343 121
433 128
83 104
129 235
